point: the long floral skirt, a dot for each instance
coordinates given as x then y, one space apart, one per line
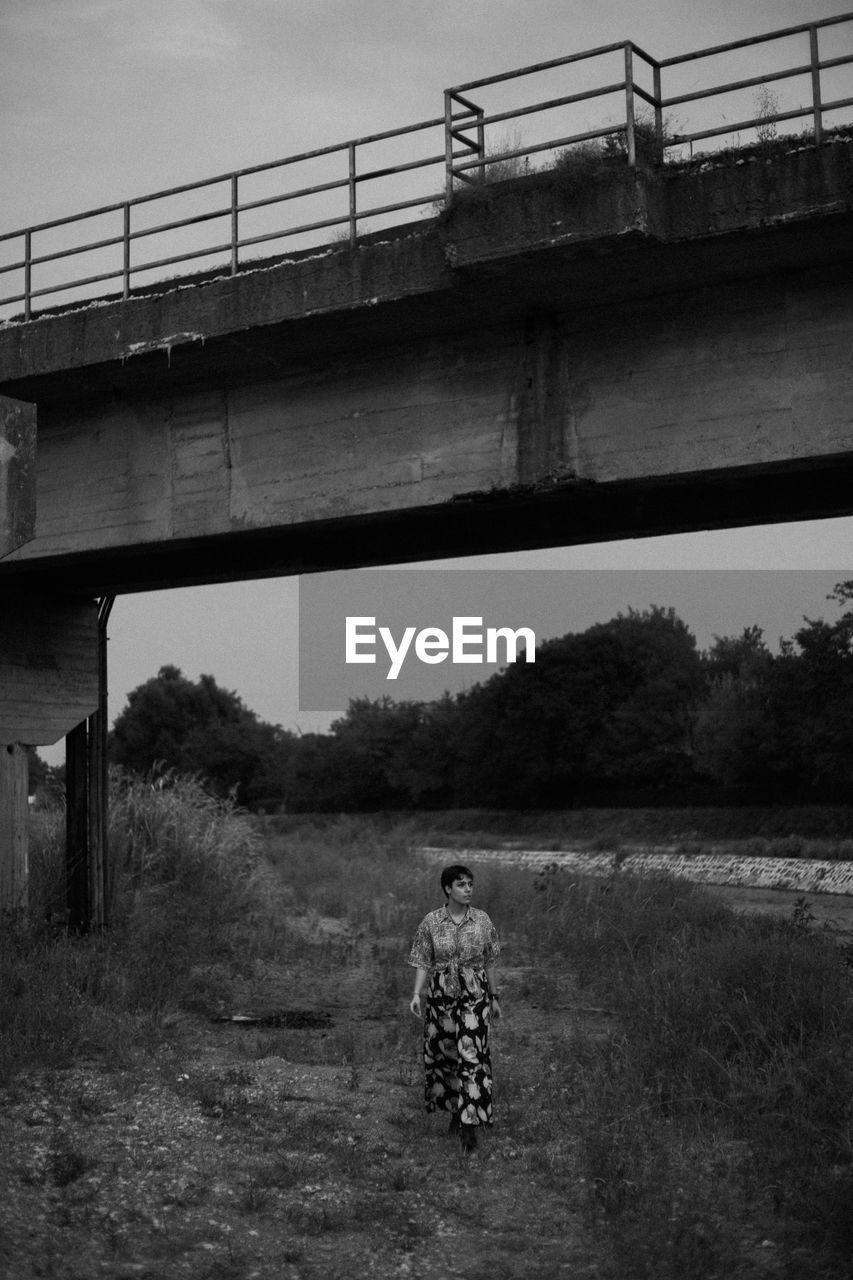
456 1049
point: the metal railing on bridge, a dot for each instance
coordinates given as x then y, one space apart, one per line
462 147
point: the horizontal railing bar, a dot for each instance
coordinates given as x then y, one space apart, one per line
540 66
339 221
465 102
736 125
836 62
178 257
372 174
461 131
836 105
541 146
647 57
766 38
734 85
617 87
76 249
466 142
212 215
162 227
284 196
14 266
400 204
294 231
198 185
62 222
266 201
383 136
647 97
13 297
76 284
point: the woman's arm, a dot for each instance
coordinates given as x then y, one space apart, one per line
421 976
492 988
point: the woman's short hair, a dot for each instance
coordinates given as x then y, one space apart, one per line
449 874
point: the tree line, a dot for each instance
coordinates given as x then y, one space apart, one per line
626 711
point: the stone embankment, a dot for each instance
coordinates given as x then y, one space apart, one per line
804 875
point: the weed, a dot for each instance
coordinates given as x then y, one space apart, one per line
766 109
255 1197
514 166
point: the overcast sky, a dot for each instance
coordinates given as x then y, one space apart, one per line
103 100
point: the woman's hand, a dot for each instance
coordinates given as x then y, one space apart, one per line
495 1008
415 1005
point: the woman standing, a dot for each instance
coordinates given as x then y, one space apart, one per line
454 951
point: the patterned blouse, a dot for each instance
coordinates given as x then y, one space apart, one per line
441 945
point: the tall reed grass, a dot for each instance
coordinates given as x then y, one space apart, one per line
186 887
728 1073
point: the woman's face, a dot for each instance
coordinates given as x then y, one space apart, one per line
460 891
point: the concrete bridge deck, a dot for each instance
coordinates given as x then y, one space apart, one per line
558 359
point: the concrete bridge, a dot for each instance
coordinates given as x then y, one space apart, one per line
650 353
592 352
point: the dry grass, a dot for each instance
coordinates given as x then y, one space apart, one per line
704 1113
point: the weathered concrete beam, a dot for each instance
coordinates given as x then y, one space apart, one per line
48 666
748 375
17 474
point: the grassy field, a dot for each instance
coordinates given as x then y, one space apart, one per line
673 1082
798 831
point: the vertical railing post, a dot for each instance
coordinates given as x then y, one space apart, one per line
448 148
481 142
630 133
126 249
658 95
235 225
353 199
817 112
28 274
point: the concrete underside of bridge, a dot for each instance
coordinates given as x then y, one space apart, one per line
550 362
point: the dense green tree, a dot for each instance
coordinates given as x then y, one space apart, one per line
371 743
783 724
734 733
609 707
813 704
198 727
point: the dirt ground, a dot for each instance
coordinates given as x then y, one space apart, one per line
258 1153
242 1151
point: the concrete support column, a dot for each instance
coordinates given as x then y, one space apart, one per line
77 871
86 784
49 682
14 815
